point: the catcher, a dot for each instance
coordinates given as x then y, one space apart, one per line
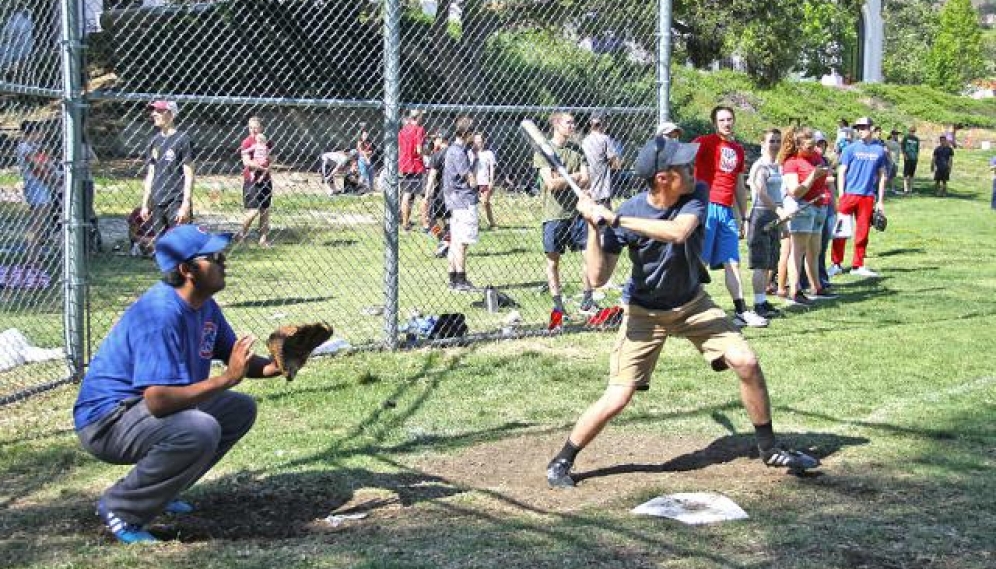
149 398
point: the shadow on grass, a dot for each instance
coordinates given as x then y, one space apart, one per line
246 506
501 253
901 251
729 448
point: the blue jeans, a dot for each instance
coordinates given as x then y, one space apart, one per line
825 240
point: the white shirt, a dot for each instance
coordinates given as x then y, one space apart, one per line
485 164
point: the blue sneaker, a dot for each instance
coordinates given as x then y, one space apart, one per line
123 531
179 507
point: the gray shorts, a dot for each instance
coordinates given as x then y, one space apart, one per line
763 246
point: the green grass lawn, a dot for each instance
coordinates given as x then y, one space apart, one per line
893 386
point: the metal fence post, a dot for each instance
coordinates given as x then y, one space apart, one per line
392 90
663 60
73 218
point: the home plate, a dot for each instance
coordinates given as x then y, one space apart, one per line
693 508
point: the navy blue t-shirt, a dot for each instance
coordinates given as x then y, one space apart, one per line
665 275
160 340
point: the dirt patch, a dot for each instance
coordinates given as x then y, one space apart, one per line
619 470
614 467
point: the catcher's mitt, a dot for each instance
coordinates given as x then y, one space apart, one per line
290 346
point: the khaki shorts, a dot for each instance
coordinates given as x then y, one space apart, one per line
643 332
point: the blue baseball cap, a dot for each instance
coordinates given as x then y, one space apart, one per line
184 242
660 153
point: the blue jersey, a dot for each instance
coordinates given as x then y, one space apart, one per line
160 340
665 275
863 163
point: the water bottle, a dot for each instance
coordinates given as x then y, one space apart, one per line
491 298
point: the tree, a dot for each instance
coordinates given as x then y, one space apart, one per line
956 56
910 27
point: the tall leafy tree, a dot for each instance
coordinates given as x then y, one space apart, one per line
910 28
955 58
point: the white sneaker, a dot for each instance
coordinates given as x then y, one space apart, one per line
863 272
834 270
750 318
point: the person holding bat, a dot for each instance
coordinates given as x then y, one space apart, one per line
804 180
149 397
662 229
563 228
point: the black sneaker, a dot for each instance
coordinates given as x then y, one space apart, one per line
823 294
558 473
588 306
795 461
462 286
766 310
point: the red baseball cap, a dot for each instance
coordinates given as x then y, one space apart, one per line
166 106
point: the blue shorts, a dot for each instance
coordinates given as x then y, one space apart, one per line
722 237
560 235
809 220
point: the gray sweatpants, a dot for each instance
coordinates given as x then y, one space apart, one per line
170 453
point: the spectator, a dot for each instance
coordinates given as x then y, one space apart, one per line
412 168
365 159
941 164
435 213
461 196
149 398
17 39
804 181
895 151
563 227
662 230
844 136
670 130
485 173
862 167
602 159
257 182
720 164
911 154
992 169
42 187
766 196
341 172
141 235
169 182
830 210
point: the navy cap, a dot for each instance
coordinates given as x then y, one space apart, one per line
660 153
184 242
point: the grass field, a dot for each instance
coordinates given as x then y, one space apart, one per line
893 386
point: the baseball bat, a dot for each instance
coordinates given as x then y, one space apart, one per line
540 144
771 225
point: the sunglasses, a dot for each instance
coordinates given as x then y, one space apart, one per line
217 258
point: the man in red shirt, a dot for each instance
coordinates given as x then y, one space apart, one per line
720 164
410 164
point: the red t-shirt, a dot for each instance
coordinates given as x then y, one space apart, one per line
410 139
802 166
247 173
719 164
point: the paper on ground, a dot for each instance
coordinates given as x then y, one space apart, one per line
693 508
332 346
15 350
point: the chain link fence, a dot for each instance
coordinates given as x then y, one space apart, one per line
326 84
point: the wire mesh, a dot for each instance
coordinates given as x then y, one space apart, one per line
31 187
311 74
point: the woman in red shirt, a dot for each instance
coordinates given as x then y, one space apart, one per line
804 178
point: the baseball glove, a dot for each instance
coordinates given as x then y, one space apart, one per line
879 221
290 346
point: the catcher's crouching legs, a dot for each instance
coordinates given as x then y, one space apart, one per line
170 453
